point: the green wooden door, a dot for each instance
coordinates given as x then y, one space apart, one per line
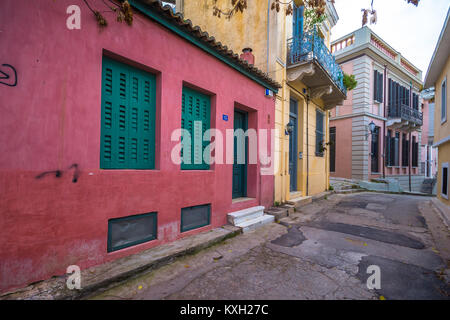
240 156
128 117
293 143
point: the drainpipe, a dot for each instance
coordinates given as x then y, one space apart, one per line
307 145
410 159
410 141
384 121
268 33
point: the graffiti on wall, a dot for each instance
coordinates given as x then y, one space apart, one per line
59 173
5 77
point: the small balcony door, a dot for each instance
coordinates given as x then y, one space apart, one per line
297 25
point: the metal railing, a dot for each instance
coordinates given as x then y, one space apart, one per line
311 46
405 112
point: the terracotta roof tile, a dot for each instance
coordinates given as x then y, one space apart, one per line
177 18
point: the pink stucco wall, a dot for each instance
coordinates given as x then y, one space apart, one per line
343 168
51 120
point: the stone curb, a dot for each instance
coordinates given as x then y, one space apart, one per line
442 210
102 277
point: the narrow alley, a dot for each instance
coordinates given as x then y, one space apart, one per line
320 252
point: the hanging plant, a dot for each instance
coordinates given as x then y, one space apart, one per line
349 81
312 19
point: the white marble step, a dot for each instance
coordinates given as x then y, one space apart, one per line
255 223
241 216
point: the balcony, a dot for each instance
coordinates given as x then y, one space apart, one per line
310 62
405 117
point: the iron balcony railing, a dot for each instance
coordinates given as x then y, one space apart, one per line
310 46
405 112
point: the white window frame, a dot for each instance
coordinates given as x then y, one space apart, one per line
444 103
444 165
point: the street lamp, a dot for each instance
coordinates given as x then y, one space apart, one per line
289 128
371 129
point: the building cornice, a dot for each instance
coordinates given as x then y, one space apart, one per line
442 141
358 114
366 42
440 54
369 50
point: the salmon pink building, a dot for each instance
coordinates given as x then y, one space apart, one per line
428 152
87 170
377 132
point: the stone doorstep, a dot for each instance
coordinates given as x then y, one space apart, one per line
256 223
297 202
237 217
280 212
98 278
289 207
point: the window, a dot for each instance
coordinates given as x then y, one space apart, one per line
319 133
195 118
392 149
195 217
132 230
399 95
415 152
378 86
128 117
298 21
444 180
415 101
391 93
374 150
333 149
396 148
444 101
388 159
405 151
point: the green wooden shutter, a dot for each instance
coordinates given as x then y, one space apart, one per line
378 86
380 90
319 133
196 119
375 85
128 117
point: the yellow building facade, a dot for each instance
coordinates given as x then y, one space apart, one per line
301 62
437 76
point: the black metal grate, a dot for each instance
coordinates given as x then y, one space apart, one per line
131 230
195 217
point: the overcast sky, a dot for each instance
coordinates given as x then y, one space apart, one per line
414 31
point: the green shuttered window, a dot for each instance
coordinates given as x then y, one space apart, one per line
378 86
128 117
320 134
195 118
